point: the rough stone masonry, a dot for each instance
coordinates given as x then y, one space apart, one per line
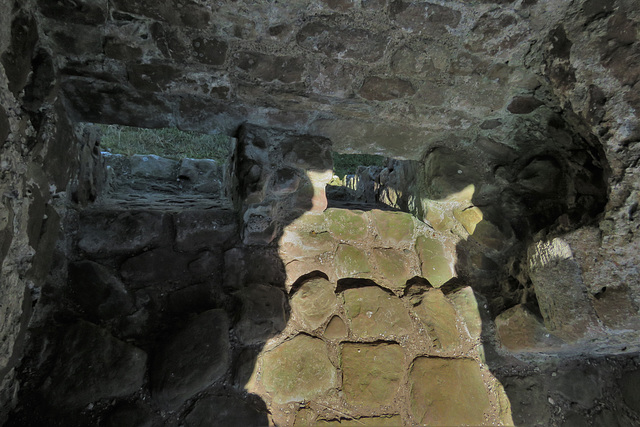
503 255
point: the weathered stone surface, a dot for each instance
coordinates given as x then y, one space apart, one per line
424 19
371 373
395 229
204 229
224 410
129 415
439 317
346 225
268 68
529 400
519 330
153 167
97 290
384 89
201 175
336 329
94 365
383 421
263 313
629 388
523 105
435 383
579 384
561 294
191 360
314 302
298 370
436 267
467 305
351 262
342 42
119 232
376 314
394 267
165 265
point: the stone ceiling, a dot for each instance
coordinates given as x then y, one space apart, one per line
378 76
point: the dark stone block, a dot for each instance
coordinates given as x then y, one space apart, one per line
225 411
193 359
130 415
630 388
94 365
307 152
263 313
209 51
269 68
341 5
384 89
490 124
152 77
176 12
90 12
17 59
98 291
169 42
523 105
4 126
113 48
560 44
344 42
204 229
411 17
119 233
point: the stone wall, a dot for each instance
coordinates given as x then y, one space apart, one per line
37 159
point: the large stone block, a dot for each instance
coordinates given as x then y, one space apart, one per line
436 265
190 361
394 229
94 365
436 383
98 291
314 302
385 89
224 411
346 225
298 370
439 317
394 268
520 330
424 18
561 294
268 68
204 229
119 233
352 262
371 373
376 314
263 313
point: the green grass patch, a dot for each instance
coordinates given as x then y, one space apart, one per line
347 164
165 142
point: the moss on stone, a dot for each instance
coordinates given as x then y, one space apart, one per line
394 228
351 262
436 266
346 224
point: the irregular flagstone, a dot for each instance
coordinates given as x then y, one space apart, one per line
224 411
346 224
298 370
439 316
447 392
263 313
384 421
394 266
371 373
314 302
351 262
375 314
296 244
336 329
94 365
436 266
467 306
193 359
395 229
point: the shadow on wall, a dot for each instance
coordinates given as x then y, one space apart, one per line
157 314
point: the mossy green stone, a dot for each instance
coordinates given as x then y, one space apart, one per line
351 262
346 224
438 315
393 266
447 392
394 228
435 264
298 370
371 373
376 314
